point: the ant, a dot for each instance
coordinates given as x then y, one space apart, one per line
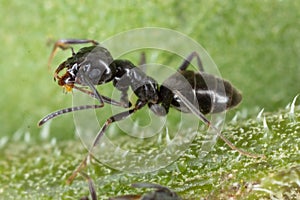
187 91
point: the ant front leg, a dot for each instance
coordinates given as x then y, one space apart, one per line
89 83
188 60
105 99
112 119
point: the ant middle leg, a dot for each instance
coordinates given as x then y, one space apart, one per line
112 119
124 99
116 118
188 60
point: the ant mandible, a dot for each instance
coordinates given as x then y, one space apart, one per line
94 65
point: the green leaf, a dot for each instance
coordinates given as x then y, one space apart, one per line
35 170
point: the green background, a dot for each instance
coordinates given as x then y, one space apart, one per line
255 44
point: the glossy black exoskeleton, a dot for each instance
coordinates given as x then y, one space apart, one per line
94 65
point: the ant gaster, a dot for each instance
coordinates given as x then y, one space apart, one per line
94 65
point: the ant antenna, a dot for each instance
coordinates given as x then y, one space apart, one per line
65 44
66 110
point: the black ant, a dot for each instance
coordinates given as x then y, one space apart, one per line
187 91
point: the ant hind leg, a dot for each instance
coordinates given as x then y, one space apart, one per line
188 60
196 112
142 59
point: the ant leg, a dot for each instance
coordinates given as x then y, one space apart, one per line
142 62
196 112
115 118
91 184
142 59
94 93
89 83
65 44
105 99
188 60
112 119
124 98
123 88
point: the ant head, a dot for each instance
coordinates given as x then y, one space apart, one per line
93 63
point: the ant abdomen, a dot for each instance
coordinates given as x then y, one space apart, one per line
210 94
